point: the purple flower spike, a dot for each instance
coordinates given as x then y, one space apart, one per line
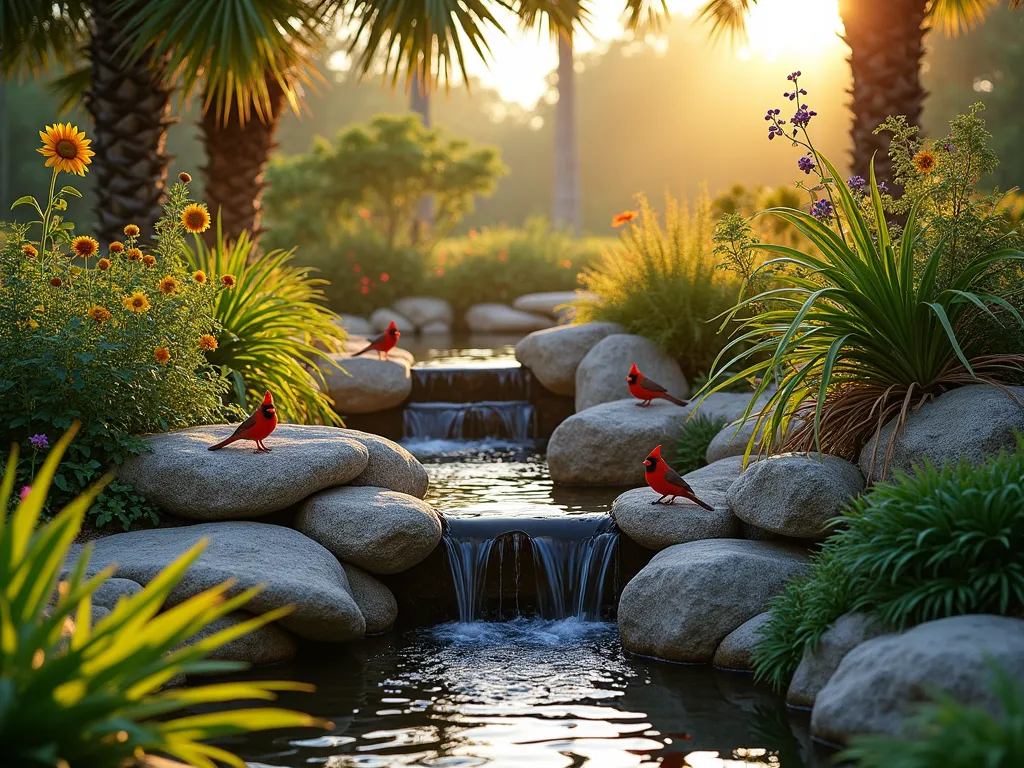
857 184
822 210
949 146
39 441
805 164
802 116
794 75
883 188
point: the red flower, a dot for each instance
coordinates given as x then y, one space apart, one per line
364 280
502 256
364 213
439 272
384 277
365 289
356 268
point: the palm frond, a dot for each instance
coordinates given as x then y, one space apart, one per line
728 18
71 86
956 16
642 16
36 35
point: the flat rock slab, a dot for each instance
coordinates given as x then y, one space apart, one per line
689 597
551 303
183 478
607 444
736 650
880 681
375 601
793 494
601 375
500 318
380 530
554 353
390 466
657 526
293 568
365 384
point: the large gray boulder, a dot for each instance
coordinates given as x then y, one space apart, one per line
376 529
390 466
270 644
552 303
292 568
183 478
382 317
601 375
365 384
736 650
817 665
689 597
879 682
974 422
553 354
607 444
795 494
354 325
733 439
501 318
375 601
657 526
424 310
109 593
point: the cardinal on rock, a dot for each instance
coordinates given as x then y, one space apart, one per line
256 428
666 481
642 388
383 343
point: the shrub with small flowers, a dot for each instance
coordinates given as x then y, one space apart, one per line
112 339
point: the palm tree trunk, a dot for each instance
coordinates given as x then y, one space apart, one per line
567 165
130 105
419 103
886 39
236 159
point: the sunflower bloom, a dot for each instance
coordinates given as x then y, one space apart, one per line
228 281
195 218
116 247
85 246
184 178
161 355
207 342
168 285
134 254
66 149
103 264
924 161
199 276
149 260
99 313
623 218
131 230
29 250
137 302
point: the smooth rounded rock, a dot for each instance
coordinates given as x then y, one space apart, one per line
436 328
423 310
601 374
500 318
390 466
733 440
607 444
375 601
269 644
735 651
880 682
354 325
110 592
183 478
690 596
555 304
367 385
356 344
973 422
793 494
382 317
818 664
554 353
380 530
292 568
657 526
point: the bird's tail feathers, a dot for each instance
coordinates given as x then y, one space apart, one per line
222 443
363 351
676 400
706 506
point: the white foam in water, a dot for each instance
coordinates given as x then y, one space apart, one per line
522 632
426 447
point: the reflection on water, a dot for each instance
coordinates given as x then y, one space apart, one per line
491 350
526 692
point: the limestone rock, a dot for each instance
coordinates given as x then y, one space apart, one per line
381 317
607 444
554 353
500 318
375 601
735 650
601 375
422 310
795 494
690 596
657 526
390 466
817 666
879 682
293 568
974 422
380 530
183 478
367 385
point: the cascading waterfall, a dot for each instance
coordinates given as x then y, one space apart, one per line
507 420
575 574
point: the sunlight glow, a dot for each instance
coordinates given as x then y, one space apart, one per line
804 27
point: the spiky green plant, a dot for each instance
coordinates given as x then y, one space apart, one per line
862 333
694 439
74 693
275 329
949 733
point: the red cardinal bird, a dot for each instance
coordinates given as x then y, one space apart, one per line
666 481
383 343
642 388
257 427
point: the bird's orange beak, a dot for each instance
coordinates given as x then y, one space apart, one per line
268 399
633 370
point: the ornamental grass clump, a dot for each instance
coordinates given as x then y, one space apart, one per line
940 542
876 319
107 337
91 695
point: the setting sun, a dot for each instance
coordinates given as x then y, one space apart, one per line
805 27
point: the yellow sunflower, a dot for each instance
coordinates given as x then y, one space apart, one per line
149 260
161 354
117 247
228 281
168 285
134 254
924 161
207 342
66 149
85 246
199 276
195 218
137 302
103 264
99 313
29 250
131 230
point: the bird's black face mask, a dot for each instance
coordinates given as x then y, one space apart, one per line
268 410
650 464
631 378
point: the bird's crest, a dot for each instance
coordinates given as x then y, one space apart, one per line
656 453
268 399
634 370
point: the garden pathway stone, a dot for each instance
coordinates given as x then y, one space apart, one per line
601 375
553 354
